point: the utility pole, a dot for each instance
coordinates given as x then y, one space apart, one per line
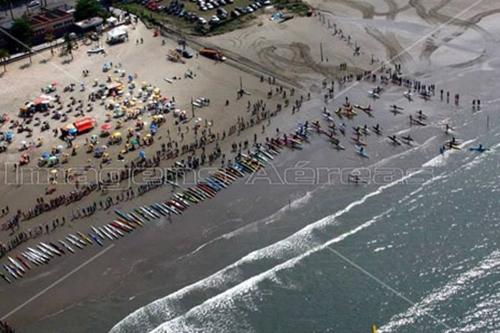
192 107
241 92
321 50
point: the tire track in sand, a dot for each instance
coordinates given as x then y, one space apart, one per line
366 9
395 52
296 61
463 24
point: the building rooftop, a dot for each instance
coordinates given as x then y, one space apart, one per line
49 16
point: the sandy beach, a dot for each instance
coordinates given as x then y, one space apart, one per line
439 44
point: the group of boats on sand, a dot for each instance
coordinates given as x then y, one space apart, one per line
126 222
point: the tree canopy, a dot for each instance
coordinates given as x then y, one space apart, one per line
22 31
85 9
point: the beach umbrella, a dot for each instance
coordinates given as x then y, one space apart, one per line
93 137
72 131
142 154
106 127
60 147
134 141
45 155
53 171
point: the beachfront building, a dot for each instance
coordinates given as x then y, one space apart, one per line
55 21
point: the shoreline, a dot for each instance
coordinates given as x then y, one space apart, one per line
162 258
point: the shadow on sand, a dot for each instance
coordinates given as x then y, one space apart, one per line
24 66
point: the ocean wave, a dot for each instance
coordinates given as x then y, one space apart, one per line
484 317
429 303
441 159
290 248
237 278
294 205
220 301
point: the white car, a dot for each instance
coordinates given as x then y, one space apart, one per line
33 3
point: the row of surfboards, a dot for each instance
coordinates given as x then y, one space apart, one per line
17 266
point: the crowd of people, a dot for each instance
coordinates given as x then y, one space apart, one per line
196 154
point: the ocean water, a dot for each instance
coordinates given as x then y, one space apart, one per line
414 254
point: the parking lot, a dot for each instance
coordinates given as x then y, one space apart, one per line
205 14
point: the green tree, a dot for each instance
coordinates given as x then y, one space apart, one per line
68 45
85 9
4 56
22 32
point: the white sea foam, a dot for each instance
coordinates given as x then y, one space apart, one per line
484 317
164 309
250 286
299 202
404 153
295 204
428 304
229 282
441 160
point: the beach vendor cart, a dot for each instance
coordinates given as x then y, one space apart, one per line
78 127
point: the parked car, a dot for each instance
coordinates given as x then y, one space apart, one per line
222 13
214 20
33 4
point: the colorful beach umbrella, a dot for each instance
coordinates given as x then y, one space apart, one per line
106 127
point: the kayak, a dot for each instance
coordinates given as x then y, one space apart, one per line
478 149
361 152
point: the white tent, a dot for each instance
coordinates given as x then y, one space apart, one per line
117 35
